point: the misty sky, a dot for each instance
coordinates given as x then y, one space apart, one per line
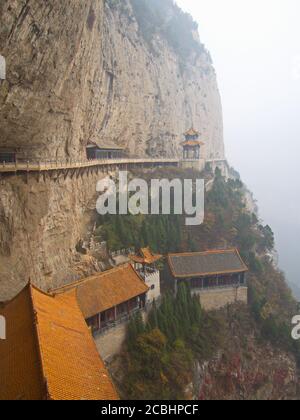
255 47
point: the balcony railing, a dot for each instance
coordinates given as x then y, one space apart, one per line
113 324
126 318
221 287
48 165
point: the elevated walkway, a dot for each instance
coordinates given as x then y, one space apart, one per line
30 166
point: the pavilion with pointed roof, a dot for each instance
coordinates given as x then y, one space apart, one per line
191 145
145 257
145 263
192 150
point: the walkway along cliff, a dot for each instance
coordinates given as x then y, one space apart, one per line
94 76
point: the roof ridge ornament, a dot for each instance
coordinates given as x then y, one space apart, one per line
191 132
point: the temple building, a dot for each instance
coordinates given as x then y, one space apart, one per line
111 297
104 151
145 263
218 277
193 156
49 352
108 300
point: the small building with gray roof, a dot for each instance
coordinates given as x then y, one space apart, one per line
218 276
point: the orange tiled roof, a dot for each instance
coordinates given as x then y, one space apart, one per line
146 256
192 143
20 366
108 289
191 132
49 351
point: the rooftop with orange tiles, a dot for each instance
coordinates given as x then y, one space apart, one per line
145 256
49 352
107 289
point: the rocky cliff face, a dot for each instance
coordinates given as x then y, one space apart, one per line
247 367
259 373
78 71
41 225
52 98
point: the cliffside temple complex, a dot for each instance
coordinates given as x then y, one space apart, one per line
49 353
218 277
102 156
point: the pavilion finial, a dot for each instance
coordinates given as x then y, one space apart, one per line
191 134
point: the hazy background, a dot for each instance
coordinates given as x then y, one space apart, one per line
255 46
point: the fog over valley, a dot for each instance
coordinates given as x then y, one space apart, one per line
256 53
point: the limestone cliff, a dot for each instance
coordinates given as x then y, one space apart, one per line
78 71
41 225
82 70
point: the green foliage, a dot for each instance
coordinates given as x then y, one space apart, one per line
136 328
176 315
273 307
161 233
254 263
161 353
153 371
267 239
228 221
167 19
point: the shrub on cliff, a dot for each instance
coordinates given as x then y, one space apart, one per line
167 19
159 361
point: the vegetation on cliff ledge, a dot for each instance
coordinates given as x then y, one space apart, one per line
164 18
161 355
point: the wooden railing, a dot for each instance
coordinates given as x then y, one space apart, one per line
32 166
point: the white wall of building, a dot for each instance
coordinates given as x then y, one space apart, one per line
153 282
